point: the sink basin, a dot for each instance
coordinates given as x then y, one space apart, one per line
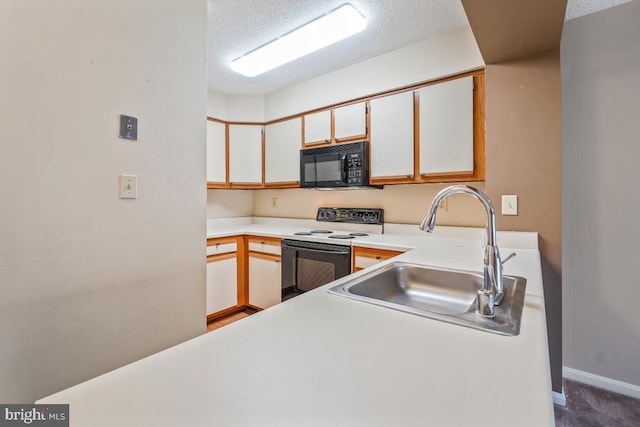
437 293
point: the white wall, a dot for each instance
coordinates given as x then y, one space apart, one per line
601 203
90 282
239 108
216 105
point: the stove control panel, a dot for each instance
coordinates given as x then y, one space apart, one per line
351 215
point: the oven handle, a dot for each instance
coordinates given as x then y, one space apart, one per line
322 251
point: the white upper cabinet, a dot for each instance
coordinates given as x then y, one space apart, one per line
446 127
392 138
317 128
282 145
245 154
350 121
216 152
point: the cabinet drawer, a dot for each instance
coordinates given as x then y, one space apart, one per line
366 261
221 246
363 258
268 245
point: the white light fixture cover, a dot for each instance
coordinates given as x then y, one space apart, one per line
332 27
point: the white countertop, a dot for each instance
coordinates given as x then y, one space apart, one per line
324 360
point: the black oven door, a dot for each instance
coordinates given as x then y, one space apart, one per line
308 265
323 170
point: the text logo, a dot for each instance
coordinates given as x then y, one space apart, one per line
34 415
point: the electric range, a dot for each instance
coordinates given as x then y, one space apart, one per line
341 225
315 257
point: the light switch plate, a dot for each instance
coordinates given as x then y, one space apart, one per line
509 205
128 186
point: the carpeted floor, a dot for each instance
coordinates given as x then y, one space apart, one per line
589 406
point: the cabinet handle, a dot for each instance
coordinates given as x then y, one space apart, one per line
217 244
277 261
328 140
337 140
409 176
377 256
262 242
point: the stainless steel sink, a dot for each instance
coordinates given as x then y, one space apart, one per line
437 293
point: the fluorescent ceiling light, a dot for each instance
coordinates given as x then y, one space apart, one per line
332 27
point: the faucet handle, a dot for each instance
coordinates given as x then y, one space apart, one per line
511 255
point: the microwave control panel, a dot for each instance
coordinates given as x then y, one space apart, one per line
351 215
355 171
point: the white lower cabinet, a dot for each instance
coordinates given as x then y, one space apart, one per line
264 280
222 284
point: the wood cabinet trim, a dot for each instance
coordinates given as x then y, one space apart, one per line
220 257
373 252
243 271
263 155
283 184
275 241
264 255
226 153
212 241
361 251
245 185
216 185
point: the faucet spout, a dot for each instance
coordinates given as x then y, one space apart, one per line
492 292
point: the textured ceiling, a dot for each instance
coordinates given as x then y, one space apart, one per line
576 8
239 26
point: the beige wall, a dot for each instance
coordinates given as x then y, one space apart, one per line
229 203
88 281
523 154
402 204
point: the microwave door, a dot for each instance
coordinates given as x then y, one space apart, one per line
330 170
308 172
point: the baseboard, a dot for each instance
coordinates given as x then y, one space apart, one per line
605 383
559 398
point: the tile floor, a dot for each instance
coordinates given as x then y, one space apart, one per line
587 406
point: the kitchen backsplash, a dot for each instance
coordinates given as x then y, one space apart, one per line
403 204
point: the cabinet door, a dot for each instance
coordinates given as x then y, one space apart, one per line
282 143
216 152
446 127
317 128
350 122
222 283
265 288
245 154
392 136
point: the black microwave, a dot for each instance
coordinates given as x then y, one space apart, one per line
335 166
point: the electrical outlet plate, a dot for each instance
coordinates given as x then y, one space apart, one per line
128 127
509 205
128 186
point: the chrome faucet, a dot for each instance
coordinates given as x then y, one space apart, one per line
493 290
